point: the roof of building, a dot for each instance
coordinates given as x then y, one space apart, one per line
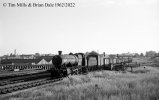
47 58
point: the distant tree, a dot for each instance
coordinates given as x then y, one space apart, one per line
157 55
150 54
37 54
141 55
136 55
11 54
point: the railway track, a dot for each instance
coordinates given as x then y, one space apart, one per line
23 78
25 82
26 85
5 77
10 84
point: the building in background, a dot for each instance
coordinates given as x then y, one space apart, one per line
26 59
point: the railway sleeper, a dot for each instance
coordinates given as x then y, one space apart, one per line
21 87
29 85
3 91
48 81
10 82
10 90
3 83
38 84
53 81
15 88
32 84
44 82
25 86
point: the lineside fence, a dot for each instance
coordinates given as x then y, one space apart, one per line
26 67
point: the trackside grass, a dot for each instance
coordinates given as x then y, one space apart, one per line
141 84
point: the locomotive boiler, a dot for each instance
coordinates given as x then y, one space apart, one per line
65 60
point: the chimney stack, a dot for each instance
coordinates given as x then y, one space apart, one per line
104 54
60 52
15 52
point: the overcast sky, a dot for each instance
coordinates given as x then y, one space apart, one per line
111 26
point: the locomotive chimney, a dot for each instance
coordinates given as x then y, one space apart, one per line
104 54
60 52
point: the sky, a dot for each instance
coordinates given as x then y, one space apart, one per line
110 26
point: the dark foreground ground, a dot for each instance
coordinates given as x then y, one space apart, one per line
141 84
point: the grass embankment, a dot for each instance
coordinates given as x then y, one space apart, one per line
102 85
147 61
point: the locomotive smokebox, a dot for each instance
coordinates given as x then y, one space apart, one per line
57 61
60 52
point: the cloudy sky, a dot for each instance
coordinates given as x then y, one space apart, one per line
111 26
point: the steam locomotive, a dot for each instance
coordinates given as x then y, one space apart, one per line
81 63
67 64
